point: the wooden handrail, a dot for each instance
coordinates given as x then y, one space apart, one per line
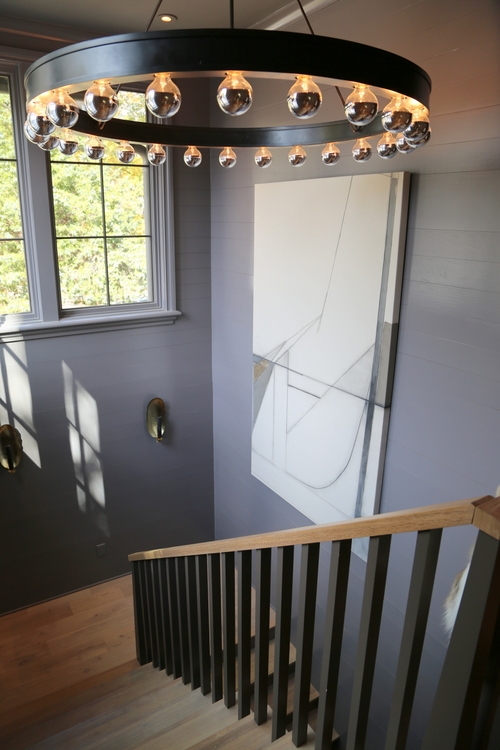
444 515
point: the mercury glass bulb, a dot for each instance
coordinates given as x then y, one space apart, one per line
297 156
36 117
192 157
227 157
396 116
386 147
101 101
419 127
32 136
163 97
330 154
68 145
263 157
157 155
362 150
424 140
304 98
50 144
125 152
62 110
361 106
402 145
234 95
94 148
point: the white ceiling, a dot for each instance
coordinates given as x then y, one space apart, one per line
118 16
456 41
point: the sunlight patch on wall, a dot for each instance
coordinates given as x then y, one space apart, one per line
16 402
85 445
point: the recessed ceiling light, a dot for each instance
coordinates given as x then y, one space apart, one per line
167 17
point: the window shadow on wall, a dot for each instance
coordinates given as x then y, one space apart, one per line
84 438
16 402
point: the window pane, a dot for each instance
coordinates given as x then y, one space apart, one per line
14 292
14 296
132 106
124 196
82 273
128 270
77 200
7 147
10 210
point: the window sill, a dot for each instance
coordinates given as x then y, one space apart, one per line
75 326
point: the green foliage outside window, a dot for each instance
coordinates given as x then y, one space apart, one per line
14 295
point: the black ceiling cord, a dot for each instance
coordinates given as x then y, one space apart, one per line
154 15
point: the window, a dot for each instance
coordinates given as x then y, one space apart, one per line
82 242
14 296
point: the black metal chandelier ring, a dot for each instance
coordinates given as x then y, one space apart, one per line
130 58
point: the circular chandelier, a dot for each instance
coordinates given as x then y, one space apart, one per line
386 95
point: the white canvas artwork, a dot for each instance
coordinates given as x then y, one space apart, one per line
327 283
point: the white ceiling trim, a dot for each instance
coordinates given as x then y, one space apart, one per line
289 14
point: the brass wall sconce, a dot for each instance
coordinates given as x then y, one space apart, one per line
156 418
11 447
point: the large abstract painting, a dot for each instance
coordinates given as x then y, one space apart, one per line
327 284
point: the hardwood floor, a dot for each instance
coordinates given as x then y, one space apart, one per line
69 680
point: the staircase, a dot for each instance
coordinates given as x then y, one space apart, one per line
193 619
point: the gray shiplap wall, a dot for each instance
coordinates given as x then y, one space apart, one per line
443 436
155 494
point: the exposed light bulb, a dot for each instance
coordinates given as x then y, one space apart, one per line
157 155
36 117
234 95
362 150
402 145
62 110
68 145
50 144
419 127
396 116
424 140
192 157
330 154
304 98
94 148
263 157
101 101
125 152
297 156
386 147
163 98
361 106
227 158
32 136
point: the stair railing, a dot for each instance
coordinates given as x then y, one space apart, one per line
186 609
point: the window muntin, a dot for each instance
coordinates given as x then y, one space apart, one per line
14 291
103 240
46 316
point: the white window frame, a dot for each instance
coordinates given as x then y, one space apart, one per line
47 318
